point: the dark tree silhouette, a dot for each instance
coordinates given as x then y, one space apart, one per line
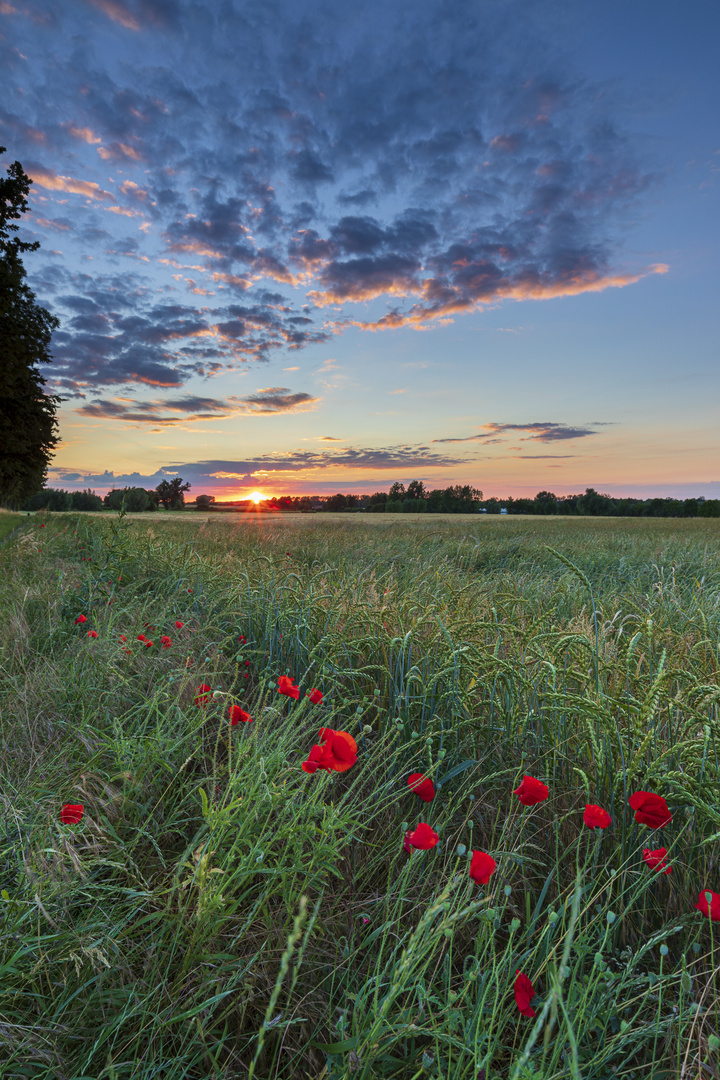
170 493
28 423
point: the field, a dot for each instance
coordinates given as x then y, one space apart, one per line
220 911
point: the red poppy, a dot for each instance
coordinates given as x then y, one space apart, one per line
482 866
595 817
81 619
656 860
246 676
127 650
148 644
315 696
423 837
531 791
236 714
165 641
141 637
247 663
337 754
422 786
70 813
241 640
148 626
179 625
285 686
524 993
42 526
710 910
650 809
122 638
92 633
203 695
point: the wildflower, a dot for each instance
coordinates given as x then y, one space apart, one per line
246 676
127 650
179 625
656 860
165 641
203 695
337 754
482 866
422 786
710 908
92 633
236 714
650 809
595 817
247 663
81 619
285 686
524 993
315 696
122 638
242 640
531 791
70 813
148 643
141 637
423 837
42 526
148 626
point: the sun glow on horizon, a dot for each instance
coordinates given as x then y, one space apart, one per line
257 497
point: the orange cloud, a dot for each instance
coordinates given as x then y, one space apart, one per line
117 12
116 151
54 182
85 134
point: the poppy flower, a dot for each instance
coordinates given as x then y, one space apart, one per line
236 714
595 817
247 663
315 696
203 695
337 754
710 910
482 866
242 640
422 786
92 633
148 644
179 625
81 619
656 860
246 676
650 809
165 641
423 837
122 638
531 791
524 993
127 650
285 686
42 526
70 813
141 637
148 626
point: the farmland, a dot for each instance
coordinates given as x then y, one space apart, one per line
220 911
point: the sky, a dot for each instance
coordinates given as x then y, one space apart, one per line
303 247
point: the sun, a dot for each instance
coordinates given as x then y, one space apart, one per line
257 497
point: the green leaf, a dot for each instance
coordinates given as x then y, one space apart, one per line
336 1048
455 771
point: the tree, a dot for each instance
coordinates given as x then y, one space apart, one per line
85 500
202 502
170 493
136 499
416 490
28 423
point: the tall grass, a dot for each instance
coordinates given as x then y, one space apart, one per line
218 912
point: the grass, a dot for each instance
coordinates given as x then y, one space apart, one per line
219 912
8 522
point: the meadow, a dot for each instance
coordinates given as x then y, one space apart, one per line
261 817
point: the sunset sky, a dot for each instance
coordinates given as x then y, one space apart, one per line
307 247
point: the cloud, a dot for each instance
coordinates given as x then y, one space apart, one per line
190 408
414 157
277 399
540 431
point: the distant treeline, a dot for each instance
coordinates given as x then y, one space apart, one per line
415 499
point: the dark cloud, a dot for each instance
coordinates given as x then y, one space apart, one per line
539 431
493 172
190 408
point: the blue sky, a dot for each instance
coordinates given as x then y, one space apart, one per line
307 247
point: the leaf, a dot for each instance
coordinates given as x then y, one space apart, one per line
204 799
336 1048
455 771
